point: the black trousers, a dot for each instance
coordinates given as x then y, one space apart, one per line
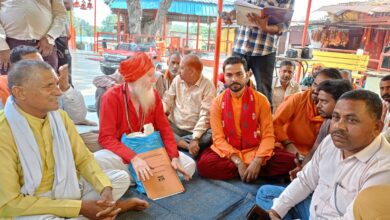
263 69
64 56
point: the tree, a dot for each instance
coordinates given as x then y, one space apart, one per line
135 15
109 23
161 13
134 9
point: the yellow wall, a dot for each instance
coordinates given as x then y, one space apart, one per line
224 38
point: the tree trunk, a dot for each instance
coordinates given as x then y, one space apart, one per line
161 13
135 16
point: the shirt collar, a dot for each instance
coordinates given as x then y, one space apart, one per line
197 82
366 154
278 84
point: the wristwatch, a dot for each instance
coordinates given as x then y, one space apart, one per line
50 39
236 161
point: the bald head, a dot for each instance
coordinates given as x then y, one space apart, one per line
194 62
191 69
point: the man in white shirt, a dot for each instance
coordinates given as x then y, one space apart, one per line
353 157
188 103
33 23
384 88
71 101
283 85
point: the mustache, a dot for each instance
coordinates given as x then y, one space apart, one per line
235 83
385 96
339 133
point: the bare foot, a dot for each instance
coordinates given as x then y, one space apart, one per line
182 144
87 123
133 204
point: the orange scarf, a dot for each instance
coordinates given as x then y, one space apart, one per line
4 93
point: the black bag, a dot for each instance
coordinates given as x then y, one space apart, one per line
292 53
257 213
307 53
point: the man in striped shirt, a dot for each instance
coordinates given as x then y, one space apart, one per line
258 44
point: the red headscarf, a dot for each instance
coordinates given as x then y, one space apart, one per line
135 67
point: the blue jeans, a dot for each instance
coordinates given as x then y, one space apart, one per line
267 193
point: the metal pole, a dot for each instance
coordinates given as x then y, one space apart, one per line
95 46
197 34
217 43
118 26
187 32
208 40
165 28
304 36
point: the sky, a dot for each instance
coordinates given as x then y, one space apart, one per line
300 10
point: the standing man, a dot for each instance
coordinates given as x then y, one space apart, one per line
384 88
164 81
283 85
62 45
258 44
32 23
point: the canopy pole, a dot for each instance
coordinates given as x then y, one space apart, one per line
118 26
197 35
95 46
217 43
187 32
304 36
208 39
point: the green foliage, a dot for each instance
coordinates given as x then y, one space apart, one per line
109 24
84 26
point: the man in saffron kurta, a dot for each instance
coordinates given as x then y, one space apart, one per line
243 136
296 121
165 80
144 106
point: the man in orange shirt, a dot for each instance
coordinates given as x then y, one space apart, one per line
296 121
243 134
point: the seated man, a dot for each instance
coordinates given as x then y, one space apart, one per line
384 89
188 103
347 75
242 132
127 108
353 157
296 121
329 91
284 84
309 78
372 203
72 101
164 81
46 170
103 83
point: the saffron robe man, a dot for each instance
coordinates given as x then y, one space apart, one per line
243 139
126 108
296 121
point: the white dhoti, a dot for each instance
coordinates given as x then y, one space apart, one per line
109 160
120 180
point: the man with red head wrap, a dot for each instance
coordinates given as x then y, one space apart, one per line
143 107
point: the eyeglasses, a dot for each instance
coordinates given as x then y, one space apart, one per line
336 185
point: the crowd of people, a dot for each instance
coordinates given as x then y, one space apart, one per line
326 137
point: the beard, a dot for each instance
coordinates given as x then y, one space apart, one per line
236 87
145 95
